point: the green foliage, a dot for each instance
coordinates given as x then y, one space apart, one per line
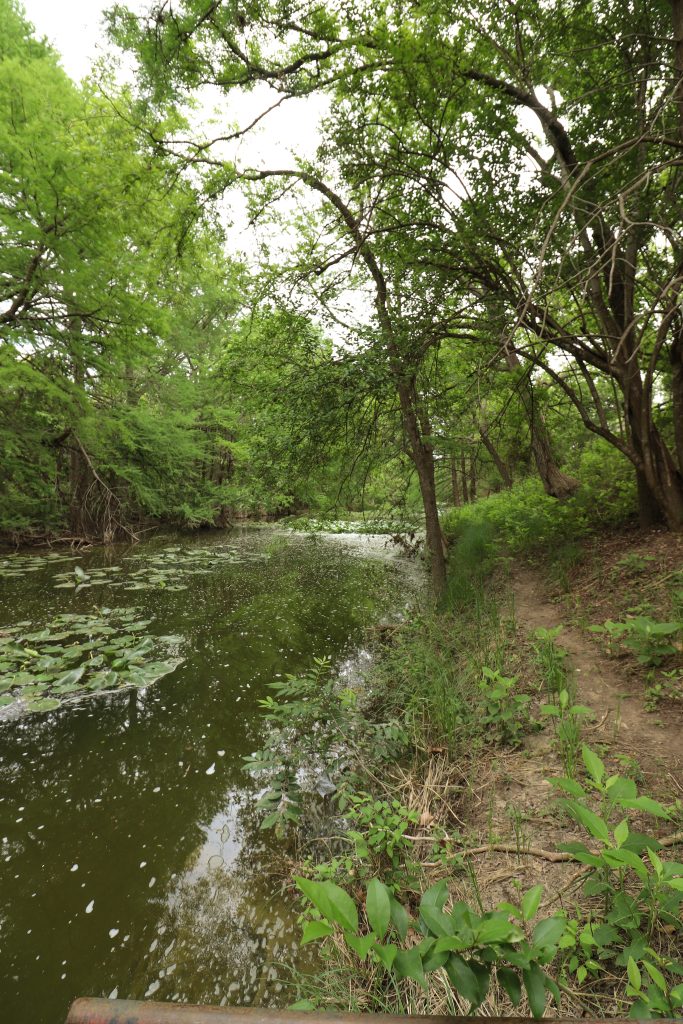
566 718
650 641
379 828
655 998
524 518
506 713
634 564
551 659
314 727
466 946
639 891
560 688
668 687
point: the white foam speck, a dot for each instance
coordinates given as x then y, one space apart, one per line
89 908
212 769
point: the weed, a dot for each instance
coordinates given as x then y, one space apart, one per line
650 641
566 720
639 891
314 724
551 658
380 830
633 564
668 687
465 945
505 712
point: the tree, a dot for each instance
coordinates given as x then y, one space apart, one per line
573 233
99 240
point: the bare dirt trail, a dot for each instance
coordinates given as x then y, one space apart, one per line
654 740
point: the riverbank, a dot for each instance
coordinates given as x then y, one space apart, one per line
520 843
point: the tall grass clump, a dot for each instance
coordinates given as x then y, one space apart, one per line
433 669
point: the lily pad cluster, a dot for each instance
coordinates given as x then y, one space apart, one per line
15 566
76 656
163 571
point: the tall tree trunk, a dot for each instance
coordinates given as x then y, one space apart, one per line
677 24
677 389
663 478
498 462
455 487
420 451
677 346
661 475
657 472
649 510
473 478
463 477
556 483
78 469
422 455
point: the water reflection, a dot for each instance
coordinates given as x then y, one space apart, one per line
130 856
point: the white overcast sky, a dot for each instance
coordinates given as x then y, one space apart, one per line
74 27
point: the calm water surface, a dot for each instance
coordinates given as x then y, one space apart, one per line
131 862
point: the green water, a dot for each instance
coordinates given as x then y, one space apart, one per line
131 862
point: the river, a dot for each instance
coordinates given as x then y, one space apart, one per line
131 860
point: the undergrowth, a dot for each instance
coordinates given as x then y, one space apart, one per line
392 895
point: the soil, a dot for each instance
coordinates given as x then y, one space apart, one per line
510 801
612 689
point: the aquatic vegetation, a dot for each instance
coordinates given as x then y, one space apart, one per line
164 570
369 524
76 656
16 566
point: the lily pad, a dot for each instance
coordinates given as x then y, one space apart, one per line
44 704
75 656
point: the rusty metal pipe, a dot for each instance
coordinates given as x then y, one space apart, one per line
125 1011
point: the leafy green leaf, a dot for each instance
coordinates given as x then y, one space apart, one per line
408 964
385 953
510 983
531 902
400 918
332 902
594 766
378 907
463 979
534 983
549 931
360 944
314 930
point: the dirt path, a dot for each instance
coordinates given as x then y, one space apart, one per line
654 740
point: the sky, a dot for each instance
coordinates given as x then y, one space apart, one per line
75 28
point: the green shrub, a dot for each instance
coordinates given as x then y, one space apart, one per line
525 518
465 945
